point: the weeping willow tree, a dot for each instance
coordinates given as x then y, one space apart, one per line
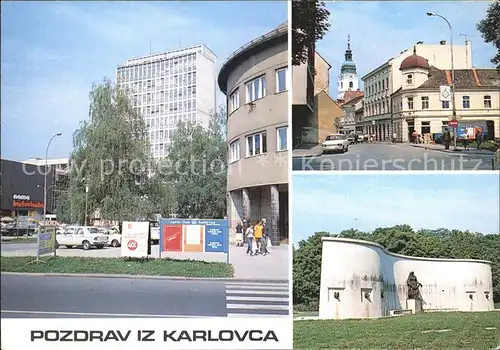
110 159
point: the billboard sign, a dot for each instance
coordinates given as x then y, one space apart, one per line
135 241
46 239
194 235
445 93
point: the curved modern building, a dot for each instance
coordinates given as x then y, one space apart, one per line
360 279
255 80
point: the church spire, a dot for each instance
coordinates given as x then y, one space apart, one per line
348 52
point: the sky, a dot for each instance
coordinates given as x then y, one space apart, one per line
333 203
52 53
382 29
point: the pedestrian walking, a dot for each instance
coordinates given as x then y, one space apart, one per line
479 139
259 236
240 242
394 137
249 237
414 137
266 237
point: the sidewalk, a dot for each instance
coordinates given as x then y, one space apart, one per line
438 147
307 151
271 267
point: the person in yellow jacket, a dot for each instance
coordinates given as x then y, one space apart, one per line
258 235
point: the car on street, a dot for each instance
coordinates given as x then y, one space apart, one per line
21 229
114 236
82 236
335 143
351 138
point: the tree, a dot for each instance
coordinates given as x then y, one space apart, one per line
307 271
110 156
309 24
196 166
337 123
399 239
490 29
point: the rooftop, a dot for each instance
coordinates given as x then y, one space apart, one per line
464 78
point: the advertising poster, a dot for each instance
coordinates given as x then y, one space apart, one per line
47 236
193 238
194 235
135 239
215 239
171 239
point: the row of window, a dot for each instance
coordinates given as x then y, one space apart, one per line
150 85
169 108
155 69
383 107
256 89
170 121
446 104
257 144
165 96
377 87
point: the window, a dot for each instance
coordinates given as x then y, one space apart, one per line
234 101
256 144
445 104
383 84
487 101
425 102
234 151
281 79
466 101
409 79
256 89
282 139
351 84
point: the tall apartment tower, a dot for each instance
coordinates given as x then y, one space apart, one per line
169 87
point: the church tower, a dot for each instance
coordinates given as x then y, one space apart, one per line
348 78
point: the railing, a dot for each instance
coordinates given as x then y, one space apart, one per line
279 30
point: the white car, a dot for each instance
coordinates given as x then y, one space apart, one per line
155 232
114 236
82 236
335 143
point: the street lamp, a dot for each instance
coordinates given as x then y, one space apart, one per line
454 117
86 201
45 178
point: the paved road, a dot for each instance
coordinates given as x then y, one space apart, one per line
385 156
47 296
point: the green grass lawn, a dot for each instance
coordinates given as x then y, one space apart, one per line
466 330
157 267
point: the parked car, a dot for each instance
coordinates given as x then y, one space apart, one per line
351 138
21 229
82 236
155 232
335 143
114 236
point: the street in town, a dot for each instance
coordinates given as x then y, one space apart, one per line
388 156
62 296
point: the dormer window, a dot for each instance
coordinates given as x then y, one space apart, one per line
409 79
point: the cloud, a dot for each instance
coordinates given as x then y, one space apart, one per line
381 30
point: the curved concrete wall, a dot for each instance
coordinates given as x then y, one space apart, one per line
267 114
353 268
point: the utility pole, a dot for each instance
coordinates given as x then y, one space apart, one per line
466 51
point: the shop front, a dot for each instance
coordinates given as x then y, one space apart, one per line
22 190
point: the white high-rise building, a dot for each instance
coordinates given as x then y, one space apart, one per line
169 87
